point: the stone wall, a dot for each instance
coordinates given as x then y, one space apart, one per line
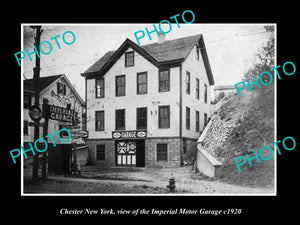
109 153
216 137
150 152
173 152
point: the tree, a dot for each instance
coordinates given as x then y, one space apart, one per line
264 59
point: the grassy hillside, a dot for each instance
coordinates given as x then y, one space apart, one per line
251 117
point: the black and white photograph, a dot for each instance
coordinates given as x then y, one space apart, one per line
130 112
149 117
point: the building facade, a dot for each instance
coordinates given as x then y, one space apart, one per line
67 107
146 105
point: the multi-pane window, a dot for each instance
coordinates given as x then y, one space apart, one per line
197 88
141 118
164 80
100 88
120 119
188 82
164 117
129 59
205 93
120 85
162 152
188 118
99 126
141 83
100 152
61 88
197 121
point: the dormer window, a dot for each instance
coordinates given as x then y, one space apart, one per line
129 59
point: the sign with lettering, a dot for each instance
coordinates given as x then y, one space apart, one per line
129 134
60 114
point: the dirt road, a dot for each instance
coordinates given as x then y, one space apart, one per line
143 180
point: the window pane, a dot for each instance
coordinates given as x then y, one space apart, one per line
143 89
120 85
188 76
142 83
141 118
162 112
164 80
187 118
197 121
101 94
119 159
100 152
120 91
162 152
99 121
121 81
133 159
129 59
120 119
100 88
164 116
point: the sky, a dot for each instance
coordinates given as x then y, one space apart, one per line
230 47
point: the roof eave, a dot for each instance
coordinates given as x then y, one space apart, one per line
126 44
206 61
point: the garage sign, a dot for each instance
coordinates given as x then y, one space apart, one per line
129 134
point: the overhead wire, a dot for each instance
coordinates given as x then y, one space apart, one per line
208 43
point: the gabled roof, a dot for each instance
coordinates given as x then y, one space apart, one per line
45 82
160 54
172 49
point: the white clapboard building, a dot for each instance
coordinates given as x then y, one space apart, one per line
65 110
147 105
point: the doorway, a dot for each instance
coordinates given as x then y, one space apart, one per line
130 153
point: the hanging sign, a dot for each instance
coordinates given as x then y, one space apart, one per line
60 114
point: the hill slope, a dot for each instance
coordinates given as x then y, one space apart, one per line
243 125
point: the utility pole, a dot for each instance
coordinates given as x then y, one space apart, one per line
45 133
36 76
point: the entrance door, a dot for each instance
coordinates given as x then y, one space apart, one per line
140 153
126 153
59 158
